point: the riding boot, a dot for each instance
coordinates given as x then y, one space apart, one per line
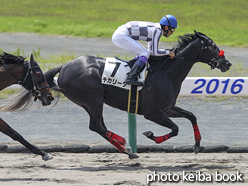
132 61
132 78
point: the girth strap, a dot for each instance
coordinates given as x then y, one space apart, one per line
133 100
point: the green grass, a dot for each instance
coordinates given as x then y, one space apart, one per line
225 21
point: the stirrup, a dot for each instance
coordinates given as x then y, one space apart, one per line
135 83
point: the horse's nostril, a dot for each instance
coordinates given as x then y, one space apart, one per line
50 98
229 64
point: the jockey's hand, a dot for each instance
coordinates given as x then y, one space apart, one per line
172 54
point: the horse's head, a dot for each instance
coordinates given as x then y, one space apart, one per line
34 81
211 54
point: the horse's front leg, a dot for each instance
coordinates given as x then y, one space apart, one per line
162 119
177 112
6 129
97 125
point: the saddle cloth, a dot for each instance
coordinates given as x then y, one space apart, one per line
115 73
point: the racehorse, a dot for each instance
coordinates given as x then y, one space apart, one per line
15 70
80 81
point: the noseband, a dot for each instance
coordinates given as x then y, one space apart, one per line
35 89
213 63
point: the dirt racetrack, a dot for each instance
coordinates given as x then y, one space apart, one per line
89 169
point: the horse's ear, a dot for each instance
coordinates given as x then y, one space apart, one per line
199 34
32 60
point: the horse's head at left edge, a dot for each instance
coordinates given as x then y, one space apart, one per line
37 84
212 53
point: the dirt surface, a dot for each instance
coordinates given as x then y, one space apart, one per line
158 169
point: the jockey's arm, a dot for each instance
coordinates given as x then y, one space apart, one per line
153 45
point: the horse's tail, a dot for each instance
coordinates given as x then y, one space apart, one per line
49 75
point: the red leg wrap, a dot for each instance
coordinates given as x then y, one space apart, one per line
161 139
119 147
112 136
116 140
197 133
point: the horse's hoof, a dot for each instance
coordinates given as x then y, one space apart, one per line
47 157
196 147
128 151
133 156
148 134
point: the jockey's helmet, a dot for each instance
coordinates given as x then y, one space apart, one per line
169 20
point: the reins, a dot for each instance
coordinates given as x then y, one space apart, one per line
213 63
158 68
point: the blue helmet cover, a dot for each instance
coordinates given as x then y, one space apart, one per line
169 20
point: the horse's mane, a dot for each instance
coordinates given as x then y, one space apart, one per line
11 59
182 41
185 39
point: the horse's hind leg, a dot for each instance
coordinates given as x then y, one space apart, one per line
177 112
6 129
162 119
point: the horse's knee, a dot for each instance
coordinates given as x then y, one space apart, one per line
94 127
97 128
191 117
174 131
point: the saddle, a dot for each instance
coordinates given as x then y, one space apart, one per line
116 71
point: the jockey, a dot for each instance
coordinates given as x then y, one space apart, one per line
126 37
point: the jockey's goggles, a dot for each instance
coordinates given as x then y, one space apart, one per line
172 29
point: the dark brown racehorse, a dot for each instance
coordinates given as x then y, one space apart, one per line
80 81
15 70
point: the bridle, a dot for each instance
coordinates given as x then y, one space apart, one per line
213 63
35 88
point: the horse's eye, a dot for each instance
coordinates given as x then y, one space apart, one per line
38 75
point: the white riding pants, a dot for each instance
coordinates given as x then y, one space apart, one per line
122 39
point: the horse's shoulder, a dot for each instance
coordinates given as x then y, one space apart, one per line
156 61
